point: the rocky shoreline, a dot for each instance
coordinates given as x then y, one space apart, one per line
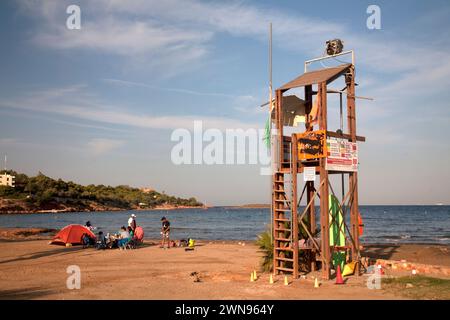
20 207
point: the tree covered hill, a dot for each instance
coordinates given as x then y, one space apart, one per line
42 193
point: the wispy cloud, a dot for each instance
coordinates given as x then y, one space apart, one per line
77 102
175 34
101 146
8 141
178 90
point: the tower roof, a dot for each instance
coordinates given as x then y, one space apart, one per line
316 76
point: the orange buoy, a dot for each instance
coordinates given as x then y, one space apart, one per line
360 224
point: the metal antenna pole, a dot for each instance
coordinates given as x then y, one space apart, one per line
270 136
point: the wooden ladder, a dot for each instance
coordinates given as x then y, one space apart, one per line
282 227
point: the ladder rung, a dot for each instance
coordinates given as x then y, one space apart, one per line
284 259
284 249
282 219
283 191
284 210
278 229
284 269
278 200
283 239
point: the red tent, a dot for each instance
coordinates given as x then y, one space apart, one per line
72 234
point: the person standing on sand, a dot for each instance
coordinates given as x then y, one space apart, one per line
90 226
165 232
132 222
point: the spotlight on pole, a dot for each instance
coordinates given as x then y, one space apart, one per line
334 46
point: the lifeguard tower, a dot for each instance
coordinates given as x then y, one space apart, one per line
317 154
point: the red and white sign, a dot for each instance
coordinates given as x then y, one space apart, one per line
341 156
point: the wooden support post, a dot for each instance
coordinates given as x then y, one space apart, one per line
312 218
308 106
324 220
353 176
294 213
310 184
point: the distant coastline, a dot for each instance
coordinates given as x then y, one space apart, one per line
251 206
103 209
42 194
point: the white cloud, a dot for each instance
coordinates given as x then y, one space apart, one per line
124 37
127 83
77 102
174 33
100 146
8 141
180 31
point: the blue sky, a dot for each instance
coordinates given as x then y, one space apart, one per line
98 105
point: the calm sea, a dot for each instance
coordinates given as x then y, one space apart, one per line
383 224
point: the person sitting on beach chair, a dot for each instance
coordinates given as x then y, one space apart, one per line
101 241
124 238
165 232
137 239
87 241
131 232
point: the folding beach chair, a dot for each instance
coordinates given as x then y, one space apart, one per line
137 239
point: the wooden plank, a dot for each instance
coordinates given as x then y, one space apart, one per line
353 176
345 136
283 230
284 269
310 195
285 259
294 155
325 252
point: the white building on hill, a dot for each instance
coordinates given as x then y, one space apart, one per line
6 180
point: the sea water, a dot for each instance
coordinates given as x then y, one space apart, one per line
383 224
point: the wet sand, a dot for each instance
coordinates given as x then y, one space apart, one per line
33 269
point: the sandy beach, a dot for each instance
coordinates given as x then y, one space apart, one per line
33 269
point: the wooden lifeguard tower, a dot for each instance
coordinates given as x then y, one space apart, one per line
297 241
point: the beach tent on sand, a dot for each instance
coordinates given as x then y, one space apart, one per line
71 234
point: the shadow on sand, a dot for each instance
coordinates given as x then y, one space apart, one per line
380 251
24 294
41 254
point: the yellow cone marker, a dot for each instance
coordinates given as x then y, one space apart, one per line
254 275
316 283
252 279
271 279
286 281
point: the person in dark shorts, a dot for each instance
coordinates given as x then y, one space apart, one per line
165 232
